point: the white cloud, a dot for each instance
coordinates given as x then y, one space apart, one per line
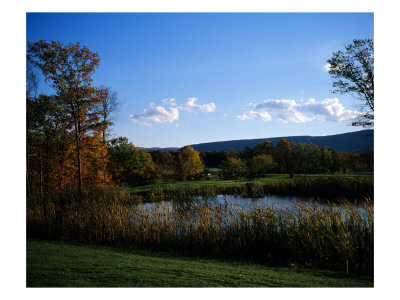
161 114
290 111
293 116
253 115
328 110
169 101
190 105
275 105
326 67
157 114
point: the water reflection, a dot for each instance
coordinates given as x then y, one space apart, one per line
273 201
227 211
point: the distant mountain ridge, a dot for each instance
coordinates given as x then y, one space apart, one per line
351 142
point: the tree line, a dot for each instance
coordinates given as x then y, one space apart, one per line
287 158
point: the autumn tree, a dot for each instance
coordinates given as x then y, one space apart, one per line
247 153
108 109
366 156
353 71
348 161
164 163
306 160
68 69
32 84
45 136
260 165
213 159
128 164
32 81
285 154
329 159
233 168
188 163
265 148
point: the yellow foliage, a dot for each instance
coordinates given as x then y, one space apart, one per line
189 163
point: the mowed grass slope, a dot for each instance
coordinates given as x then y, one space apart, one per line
63 264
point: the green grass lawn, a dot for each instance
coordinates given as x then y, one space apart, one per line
215 170
63 264
214 180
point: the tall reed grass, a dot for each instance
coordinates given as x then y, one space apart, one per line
311 236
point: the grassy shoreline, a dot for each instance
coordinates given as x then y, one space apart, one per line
328 187
218 182
67 264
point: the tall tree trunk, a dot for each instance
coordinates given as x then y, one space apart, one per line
104 158
27 174
46 165
40 169
78 156
79 160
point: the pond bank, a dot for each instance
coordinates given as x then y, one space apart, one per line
324 187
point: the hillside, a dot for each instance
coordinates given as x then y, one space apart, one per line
351 142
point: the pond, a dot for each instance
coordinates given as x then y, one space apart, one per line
273 201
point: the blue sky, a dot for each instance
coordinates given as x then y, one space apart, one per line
187 78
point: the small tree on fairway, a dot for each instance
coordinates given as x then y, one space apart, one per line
286 156
260 164
188 163
233 168
128 164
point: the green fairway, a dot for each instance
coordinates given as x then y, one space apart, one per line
214 180
62 264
